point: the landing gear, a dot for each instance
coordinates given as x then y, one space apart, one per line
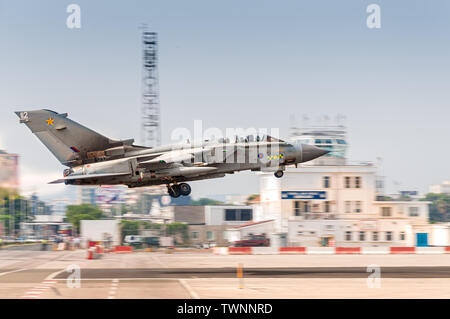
173 191
278 174
185 189
177 190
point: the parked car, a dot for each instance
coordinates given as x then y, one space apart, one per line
253 241
133 240
32 239
151 241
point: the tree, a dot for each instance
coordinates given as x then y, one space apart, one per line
76 213
439 207
205 201
178 229
132 227
13 210
129 227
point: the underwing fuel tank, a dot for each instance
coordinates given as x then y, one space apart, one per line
119 166
185 171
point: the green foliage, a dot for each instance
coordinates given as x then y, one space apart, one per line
439 207
181 229
76 213
129 227
205 201
12 203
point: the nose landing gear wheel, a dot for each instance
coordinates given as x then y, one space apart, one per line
185 189
278 174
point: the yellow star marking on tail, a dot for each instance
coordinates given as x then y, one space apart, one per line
50 121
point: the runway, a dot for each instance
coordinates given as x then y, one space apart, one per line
184 275
306 272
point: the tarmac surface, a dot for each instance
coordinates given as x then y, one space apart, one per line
34 274
315 272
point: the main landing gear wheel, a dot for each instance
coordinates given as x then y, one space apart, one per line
278 174
174 191
185 189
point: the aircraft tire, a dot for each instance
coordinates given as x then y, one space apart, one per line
278 174
185 189
174 191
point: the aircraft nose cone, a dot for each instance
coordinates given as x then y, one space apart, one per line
310 152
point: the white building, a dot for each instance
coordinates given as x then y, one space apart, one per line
443 188
330 198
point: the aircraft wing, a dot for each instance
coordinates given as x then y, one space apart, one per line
176 156
88 176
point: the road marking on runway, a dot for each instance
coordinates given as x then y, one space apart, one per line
191 291
113 289
12 271
37 291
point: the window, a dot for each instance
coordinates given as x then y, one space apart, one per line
375 236
230 214
402 235
362 236
388 235
357 182
297 208
386 211
358 207
327 206
209 235
341 142
246 214
348 235
318 141
326 182
414 211
301 207
347 181
348 206
306 207
195 234
328 142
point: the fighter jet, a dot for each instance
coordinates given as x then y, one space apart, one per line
93 159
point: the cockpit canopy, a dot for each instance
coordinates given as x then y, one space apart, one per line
250 139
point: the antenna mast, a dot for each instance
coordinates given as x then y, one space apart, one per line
150 112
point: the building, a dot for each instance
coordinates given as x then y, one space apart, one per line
9 172
44 226
208 224
100 230
443 188
330 201
239 232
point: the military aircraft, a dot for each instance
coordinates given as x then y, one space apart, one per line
94 159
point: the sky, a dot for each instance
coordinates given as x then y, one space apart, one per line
234 64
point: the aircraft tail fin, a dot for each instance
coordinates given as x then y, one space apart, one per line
70 142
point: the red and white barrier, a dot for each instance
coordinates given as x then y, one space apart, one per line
402 250
330 250
93 253
123 249
292 250
348 250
